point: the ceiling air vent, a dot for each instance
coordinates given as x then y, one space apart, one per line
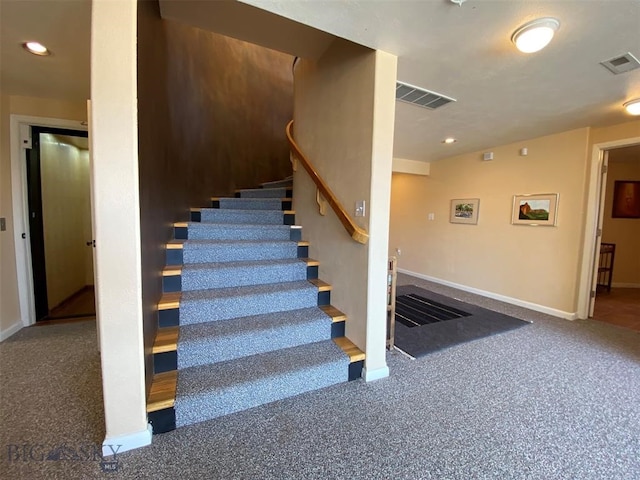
622 64
421 97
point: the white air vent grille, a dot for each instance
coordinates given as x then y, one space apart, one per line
421 97
622 64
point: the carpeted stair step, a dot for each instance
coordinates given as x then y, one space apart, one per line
161 403
211 251
234 216
206 392
224 340
213 342
200 276
201 306
251 203
222 231
175 251
281 192
284 183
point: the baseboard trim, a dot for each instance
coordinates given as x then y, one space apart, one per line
112 446
496 296
625 285
7 332
376 374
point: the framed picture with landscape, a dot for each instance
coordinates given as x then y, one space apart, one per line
538 210
464 210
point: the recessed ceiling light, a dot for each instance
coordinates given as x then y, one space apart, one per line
449 140
633 106
535 35
36 48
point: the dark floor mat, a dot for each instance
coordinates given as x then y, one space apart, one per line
427 322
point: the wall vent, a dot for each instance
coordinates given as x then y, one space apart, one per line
622 64
420 97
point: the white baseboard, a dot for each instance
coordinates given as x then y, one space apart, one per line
377 374
7 332
625 285
112 446
496 296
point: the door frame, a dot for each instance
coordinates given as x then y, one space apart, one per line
20 138
595 203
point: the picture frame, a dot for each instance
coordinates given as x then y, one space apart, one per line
538 209
626 199
464 210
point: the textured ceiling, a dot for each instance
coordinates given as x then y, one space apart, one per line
463 51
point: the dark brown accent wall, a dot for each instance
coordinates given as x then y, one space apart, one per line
211 117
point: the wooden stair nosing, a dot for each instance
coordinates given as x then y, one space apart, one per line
166 340
322 285
170 300
175 244
348 347
163 391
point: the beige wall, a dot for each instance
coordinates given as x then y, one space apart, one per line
333 112
65 196
10 313
9 304
533 265
624 232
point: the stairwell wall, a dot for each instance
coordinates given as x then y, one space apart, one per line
344 114
212 114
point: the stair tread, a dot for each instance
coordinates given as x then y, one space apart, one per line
243 242
163 391
237 226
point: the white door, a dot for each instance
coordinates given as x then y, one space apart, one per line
601 197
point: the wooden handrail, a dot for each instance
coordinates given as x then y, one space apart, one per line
358 234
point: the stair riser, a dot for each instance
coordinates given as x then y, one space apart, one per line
174 283
237 253
252 203
234 217
233 307
230 347
216 278
175 256
238 277
265 193
278 184
195 409
240 232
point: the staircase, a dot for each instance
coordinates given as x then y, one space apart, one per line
244 319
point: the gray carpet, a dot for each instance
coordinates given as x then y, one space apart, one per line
555 400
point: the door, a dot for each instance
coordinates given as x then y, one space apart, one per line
60 223
601 197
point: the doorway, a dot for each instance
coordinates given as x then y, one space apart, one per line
617 299
59 213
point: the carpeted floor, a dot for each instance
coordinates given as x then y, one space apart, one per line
554 400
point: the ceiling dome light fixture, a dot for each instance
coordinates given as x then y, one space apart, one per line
449 140
36 48
535 35
632 106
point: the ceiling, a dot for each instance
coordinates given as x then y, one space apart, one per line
464 52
